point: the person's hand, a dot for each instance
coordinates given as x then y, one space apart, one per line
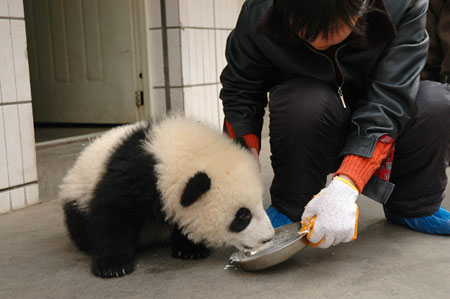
331 217
255 154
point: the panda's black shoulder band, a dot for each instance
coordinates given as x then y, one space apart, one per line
197 185
241 142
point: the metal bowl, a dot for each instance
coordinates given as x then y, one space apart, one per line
285 244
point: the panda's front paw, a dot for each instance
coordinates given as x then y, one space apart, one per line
185 249
189 250
111 267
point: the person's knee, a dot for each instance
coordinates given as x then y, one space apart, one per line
303 103
433 102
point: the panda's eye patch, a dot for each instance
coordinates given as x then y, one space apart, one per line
241 220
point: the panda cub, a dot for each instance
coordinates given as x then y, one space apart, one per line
176 180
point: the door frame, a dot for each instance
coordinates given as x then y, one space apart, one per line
141 57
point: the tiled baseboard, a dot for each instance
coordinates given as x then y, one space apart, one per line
19 197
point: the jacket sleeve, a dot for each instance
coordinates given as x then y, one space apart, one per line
393 84
246 79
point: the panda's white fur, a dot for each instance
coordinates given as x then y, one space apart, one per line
184 147
180 148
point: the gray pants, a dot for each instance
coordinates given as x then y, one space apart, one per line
308 128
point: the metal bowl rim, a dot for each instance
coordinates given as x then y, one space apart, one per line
268 251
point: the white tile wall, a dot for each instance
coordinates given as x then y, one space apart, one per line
16 8
5 202
226 13
18 198
156 58
154 12
174 48
220 107
7 76
185 57
193 14
183 13
221 42
196 56
213 103
196 13
209 56
200 102
17 144
21 71
188 107
13 144
32 194
220 115
204 13
4 8
4 180
11 8
28 142
158 101
172 13
177 101
196 51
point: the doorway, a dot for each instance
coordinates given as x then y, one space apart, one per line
88 65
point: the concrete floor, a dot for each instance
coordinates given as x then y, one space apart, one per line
46 133
54 159
37 260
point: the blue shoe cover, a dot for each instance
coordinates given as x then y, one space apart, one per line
278 219
438 223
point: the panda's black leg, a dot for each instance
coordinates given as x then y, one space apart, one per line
77 224
184 248
113 240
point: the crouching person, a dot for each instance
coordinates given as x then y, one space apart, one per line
345 98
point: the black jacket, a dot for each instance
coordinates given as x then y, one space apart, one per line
380 67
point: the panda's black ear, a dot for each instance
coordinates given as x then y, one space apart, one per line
197 185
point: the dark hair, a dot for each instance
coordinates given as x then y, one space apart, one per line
314 17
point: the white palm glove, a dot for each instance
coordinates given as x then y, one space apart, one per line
331 217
